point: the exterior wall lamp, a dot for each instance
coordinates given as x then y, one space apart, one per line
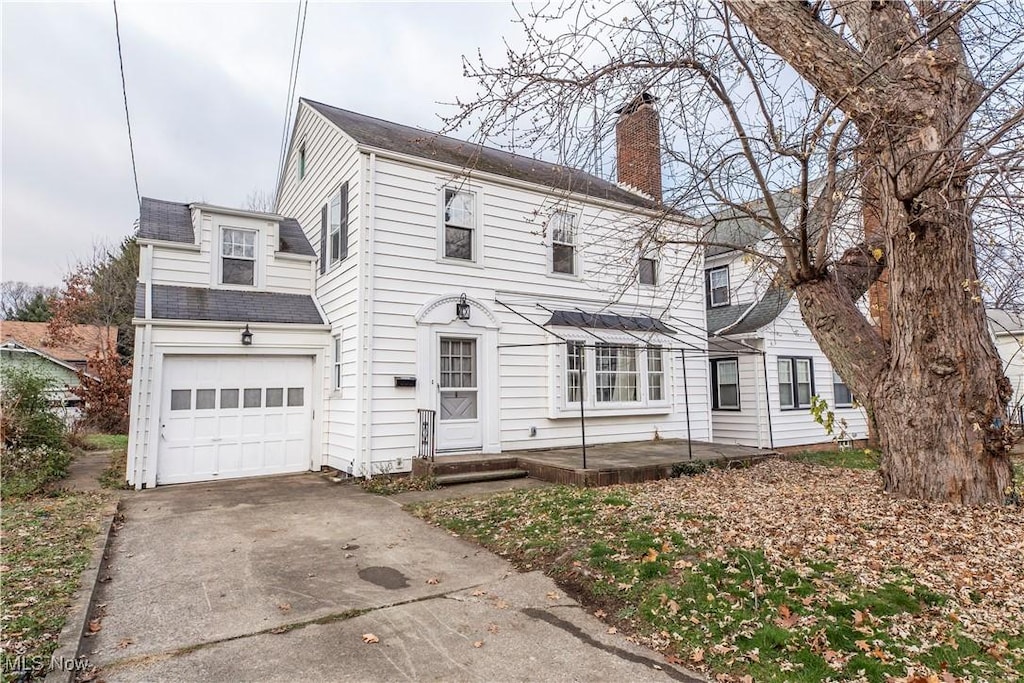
247 336
462 308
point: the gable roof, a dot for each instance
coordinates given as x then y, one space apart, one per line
172 222
377 133
200 303
83 340
746 318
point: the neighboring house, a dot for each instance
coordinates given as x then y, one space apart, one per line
765 365
1008 330
27 344
417 275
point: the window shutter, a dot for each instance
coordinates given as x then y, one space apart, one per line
707 289
344 221
323 240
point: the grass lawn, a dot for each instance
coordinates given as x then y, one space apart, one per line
105 442
854 458
47 542
786 571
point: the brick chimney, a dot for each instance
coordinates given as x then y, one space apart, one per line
638 145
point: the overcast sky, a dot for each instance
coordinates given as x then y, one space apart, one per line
207 87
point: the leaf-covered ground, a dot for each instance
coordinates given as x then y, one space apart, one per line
47 542
785 571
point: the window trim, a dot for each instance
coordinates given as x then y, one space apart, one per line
476 241
336 351
794 385
257 233
837 381
575 272
711 290
716 399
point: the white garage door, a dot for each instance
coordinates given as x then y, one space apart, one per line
228 416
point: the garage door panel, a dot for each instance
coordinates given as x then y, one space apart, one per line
234 416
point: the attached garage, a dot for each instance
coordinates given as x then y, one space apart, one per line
224 417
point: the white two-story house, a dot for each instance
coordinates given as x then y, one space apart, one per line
408 281
765 366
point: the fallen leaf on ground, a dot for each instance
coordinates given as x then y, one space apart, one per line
697 655
600 614
370 638
284 606
552 595
125 642
433 580
95 626
478 643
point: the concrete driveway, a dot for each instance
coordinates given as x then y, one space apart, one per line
279 579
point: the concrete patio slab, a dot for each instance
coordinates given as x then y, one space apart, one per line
279 578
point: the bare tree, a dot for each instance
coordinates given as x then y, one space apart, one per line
919 103
261 201
25 302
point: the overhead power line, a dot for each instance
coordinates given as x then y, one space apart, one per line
127 118
293 78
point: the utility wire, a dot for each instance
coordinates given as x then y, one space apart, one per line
293 78
127 118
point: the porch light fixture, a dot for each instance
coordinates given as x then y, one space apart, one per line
246 336
462 308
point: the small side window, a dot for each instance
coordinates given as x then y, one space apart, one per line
648 271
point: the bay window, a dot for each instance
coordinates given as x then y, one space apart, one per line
615 376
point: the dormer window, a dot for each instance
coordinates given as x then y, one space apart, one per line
562 226
717 283
238 257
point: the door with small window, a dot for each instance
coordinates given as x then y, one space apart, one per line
458 395
224 417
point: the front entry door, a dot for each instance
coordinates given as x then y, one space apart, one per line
459 396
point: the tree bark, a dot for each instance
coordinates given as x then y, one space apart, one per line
935 389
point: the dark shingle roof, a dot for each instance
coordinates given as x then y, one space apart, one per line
608 321
763 312
197 303
172 222
291 239
736 227
394 137
169 221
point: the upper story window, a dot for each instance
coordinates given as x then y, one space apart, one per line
562 226
334 229
302 161
460 224
717 284
725 384
648 270
796 383
238 256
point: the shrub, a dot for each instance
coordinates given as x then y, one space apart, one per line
28 417
26 470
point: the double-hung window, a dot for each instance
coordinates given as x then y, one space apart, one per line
238 256
725 384
796 383
717 283
655 374
842 395
647 270
617 375
562 226
574 379
334 229
459 224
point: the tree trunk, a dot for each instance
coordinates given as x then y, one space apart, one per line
936 390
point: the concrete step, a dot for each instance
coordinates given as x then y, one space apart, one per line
470 477
453 464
